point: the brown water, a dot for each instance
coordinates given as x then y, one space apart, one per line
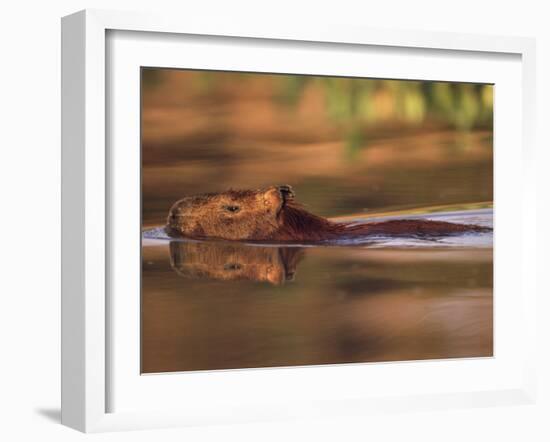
208 305
412 171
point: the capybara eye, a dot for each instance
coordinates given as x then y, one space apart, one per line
232 209
232 266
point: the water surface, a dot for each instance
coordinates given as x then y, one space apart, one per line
210 305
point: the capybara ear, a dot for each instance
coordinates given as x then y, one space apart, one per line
275 196
273 199
287 192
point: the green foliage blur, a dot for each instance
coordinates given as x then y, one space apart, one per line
358 104
463 106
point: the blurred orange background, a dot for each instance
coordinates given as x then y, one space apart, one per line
345 145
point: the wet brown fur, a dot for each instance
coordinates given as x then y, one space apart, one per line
272 215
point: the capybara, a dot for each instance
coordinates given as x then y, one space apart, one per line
272 214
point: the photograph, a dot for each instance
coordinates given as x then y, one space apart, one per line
292 220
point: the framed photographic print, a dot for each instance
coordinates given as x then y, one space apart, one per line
263 223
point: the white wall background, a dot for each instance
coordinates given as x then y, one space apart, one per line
30 216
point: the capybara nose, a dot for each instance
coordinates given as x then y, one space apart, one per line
290 276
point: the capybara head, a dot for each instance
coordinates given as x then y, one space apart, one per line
233 215
271 214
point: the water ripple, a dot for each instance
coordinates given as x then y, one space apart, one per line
480 217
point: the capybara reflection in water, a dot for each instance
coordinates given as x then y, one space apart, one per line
272 214
234 262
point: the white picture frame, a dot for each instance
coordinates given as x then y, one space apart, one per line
86 212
